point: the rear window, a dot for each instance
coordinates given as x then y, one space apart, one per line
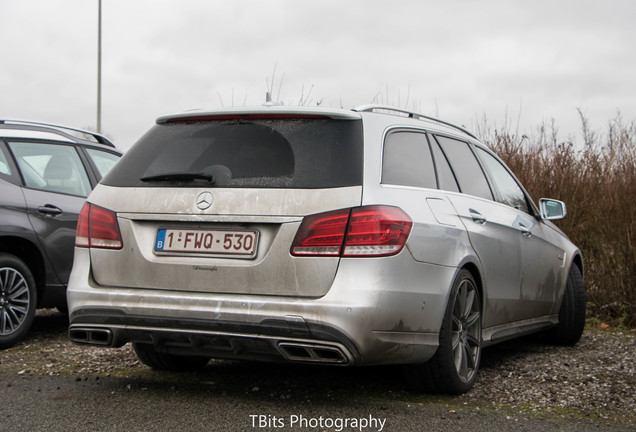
246 153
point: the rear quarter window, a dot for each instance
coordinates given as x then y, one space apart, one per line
248 153
407 160
104 161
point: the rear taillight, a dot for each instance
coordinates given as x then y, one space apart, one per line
97 227
321 234
357 232
376 231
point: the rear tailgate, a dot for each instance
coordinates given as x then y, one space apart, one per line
271 216
213 204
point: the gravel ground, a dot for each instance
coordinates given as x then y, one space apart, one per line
592 381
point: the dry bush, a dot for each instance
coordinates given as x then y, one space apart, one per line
597 181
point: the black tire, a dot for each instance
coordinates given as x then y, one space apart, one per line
454 366
18 297
571 312
168 362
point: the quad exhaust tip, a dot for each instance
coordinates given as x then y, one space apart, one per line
91 336
301 352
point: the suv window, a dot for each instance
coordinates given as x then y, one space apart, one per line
255 153
4 164
51 167
467 170
103 160
407 160
509 191
445 174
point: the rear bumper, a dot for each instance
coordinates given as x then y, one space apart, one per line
272 340
385 311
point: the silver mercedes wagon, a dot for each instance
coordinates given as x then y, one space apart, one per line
325 236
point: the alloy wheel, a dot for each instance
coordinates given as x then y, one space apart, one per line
466 330
14 300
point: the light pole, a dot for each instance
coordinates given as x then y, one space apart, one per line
99 67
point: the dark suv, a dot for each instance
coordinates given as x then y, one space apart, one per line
46 173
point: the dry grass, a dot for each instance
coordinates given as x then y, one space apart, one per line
597 181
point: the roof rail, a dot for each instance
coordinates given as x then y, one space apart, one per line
59 130
409 114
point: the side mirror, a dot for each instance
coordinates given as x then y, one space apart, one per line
552 209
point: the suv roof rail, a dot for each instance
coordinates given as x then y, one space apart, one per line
59 130
409 114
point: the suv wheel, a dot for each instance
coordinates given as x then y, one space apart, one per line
17 300
454 366
169 362
572 311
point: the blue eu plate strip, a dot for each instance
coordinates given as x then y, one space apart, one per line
161 239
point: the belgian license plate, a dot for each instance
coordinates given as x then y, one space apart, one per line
239 243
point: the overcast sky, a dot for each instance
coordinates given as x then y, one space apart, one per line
521 62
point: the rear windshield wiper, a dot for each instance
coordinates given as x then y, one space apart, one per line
184 176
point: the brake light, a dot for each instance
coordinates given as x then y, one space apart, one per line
321 234
240 116
376 231
81 235
369 231
97 227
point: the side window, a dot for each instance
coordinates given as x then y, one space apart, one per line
51 167
104 161
445 174
407 160
4 164
467 170
509 191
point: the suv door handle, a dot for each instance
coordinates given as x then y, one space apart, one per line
477 217
50 210
525 230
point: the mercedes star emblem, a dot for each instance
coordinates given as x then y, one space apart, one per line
204 200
